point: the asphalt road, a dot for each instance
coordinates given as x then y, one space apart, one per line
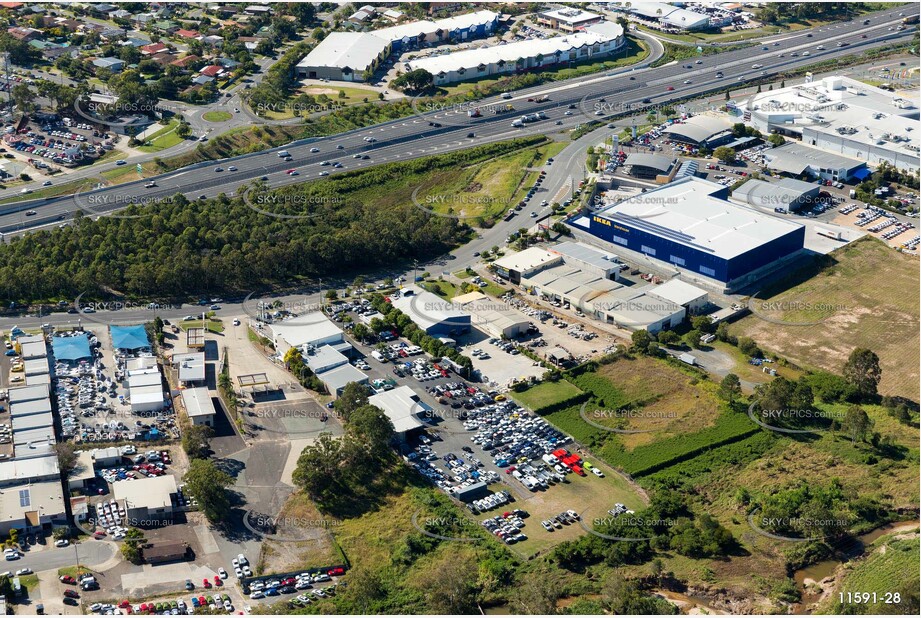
415 137
91 553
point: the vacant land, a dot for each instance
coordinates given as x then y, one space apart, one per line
162 139
547 394
304 539
862 295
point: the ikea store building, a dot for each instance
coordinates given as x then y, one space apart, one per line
691 225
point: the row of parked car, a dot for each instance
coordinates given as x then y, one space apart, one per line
507 526
512 434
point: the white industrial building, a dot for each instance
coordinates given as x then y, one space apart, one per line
588 258
191 368
310 329
786 193
344 56
520 264
198 406
433 314
842 116
147 501
669 16
32 506
333 368
145 384
402 406
800 160
492 316
595 41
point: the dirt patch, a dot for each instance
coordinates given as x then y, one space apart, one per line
301 538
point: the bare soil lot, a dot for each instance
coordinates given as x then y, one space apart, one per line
866 296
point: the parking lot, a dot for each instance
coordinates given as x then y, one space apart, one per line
53 141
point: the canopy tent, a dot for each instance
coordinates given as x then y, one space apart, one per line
862 173
72 347
129 337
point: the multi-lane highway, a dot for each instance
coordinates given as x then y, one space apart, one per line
446 130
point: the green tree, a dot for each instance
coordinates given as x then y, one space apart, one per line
370 429
208 484
725 153
353 396
131 545
360 332
319 469
776 140
184 130
667 337
730 387
856 423
67 456
862 371
415 81
196 441
703 323
748 347
641 339
692 338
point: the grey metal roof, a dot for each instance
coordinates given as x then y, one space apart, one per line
795 158
699 128
656 162
783 191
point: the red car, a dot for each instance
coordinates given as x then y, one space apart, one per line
217 581
99 534
288 581
670 88
73 594
124 604
206 583
510 469
202 602
68 579
336 571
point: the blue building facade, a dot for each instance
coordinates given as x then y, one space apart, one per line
680 250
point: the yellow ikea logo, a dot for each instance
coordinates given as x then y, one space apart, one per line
602 221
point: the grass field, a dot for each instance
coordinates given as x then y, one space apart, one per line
864 295
644 395
162 139
214 326
546 394
217 116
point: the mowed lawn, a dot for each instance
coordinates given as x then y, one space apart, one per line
867 296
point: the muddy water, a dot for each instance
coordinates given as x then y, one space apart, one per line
820 570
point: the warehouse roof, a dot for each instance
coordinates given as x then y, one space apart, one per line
400 405
687 212
35 366
33 421
570 15
509 53
634 307
191 366
699 128
659 163
428 310
489 312
670 15
794 158
198 402
335 379
353 50
34 406
38 378
780 192
585 254
677 291
324 358
530 258
466 21
151 492
307 328
33 349
25 469
28 393
31 502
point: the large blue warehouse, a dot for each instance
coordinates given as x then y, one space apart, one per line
690 224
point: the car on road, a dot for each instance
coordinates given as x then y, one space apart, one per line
219 169
670 88
324 173
687 81
62 543
471 135
47 183
314 150
215 307
150 185
30 213
24 571
292 173
232 168
121 162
